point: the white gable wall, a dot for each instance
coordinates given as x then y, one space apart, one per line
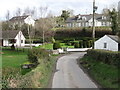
20 39
5 42
111 44
29 20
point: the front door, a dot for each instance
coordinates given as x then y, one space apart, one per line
119 47
1 42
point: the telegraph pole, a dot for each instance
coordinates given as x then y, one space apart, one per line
93 28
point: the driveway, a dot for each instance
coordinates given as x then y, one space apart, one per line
69 75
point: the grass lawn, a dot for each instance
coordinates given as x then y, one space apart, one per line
47 46
12 58
63 45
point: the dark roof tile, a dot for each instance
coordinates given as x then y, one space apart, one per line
11 34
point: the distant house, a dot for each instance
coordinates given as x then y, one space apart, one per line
10 37
87 21
20 20
108 42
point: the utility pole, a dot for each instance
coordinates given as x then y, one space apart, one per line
93 28
29 36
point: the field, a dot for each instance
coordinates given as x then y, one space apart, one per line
11 58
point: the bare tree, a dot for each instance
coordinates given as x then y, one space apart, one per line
45 24
30 11
18 12
7 16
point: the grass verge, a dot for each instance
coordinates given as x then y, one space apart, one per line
106 75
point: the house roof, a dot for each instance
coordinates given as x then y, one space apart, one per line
87 18
11 34
115 38
19 18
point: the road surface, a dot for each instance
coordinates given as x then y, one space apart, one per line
69 75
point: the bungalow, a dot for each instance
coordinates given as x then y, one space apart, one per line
108 42
87 21
10 37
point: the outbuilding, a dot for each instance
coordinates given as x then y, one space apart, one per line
10 37
108 42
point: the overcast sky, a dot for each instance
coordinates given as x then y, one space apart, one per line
79 6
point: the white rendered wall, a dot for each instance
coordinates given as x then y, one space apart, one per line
111 44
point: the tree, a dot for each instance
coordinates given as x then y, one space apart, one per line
18 12
30 11
7 16
65 14
45 24
114 20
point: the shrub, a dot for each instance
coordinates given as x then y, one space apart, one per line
56 45
37 53
76 45
108 57
84 44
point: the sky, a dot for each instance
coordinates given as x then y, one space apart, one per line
56 6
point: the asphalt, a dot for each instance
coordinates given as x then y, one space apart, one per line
69 75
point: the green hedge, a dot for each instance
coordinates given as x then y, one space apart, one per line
56 45
37 53
108 57
77 33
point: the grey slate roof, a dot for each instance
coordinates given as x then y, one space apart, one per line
8 34
88 17
19 18
115 38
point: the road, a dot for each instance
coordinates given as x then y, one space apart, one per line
69 75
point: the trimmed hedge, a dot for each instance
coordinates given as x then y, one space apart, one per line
108 57
56 45
78 32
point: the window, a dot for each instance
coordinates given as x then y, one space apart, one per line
21 41
105 45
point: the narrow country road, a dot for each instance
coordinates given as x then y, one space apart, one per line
69 75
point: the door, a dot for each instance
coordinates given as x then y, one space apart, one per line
119 47
1 42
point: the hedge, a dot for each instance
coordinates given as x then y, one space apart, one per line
37 53
108 57
76 33
56 45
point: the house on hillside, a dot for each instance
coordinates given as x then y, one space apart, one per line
10 37
108 42
87 21
20 20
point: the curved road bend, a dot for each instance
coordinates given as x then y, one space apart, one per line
69 75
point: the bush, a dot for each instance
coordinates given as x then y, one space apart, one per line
84 44
108 57
37 53
81 43
76 45
56 45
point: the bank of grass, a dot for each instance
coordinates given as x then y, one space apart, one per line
106 75
35 78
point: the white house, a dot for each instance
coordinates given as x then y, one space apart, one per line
10 37
87 20
20 20
108 42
